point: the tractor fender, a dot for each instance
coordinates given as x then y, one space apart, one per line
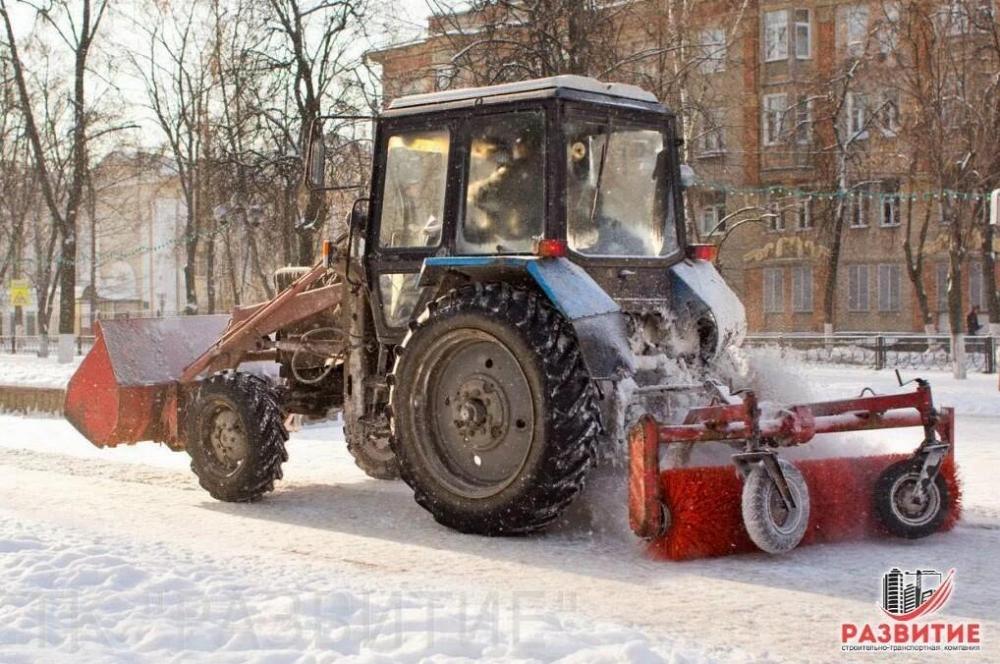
596 318
701 292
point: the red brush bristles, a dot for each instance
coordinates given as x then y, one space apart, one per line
704 506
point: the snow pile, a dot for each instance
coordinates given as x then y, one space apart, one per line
29 370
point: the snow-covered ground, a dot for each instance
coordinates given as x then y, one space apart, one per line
29 370
117 555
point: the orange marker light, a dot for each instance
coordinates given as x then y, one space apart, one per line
703 252
551 248
327 253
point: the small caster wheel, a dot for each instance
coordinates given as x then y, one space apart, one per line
902 509
771 524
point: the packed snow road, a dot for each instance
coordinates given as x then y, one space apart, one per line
111 555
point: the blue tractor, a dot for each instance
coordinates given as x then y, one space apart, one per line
520 263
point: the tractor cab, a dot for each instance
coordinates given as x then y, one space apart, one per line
560 167
488 184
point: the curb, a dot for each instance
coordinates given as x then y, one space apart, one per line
20 399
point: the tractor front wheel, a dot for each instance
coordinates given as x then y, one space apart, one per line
236 437
494 416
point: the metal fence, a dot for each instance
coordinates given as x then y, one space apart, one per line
878 351
883 351
33 344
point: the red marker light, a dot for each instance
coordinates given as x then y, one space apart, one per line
551 248
703 252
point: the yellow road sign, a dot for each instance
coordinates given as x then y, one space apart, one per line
20 293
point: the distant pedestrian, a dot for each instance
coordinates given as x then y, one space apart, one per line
972 321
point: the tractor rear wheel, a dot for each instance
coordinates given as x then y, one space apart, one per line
494 416
236 437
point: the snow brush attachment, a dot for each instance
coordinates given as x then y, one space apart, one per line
772 505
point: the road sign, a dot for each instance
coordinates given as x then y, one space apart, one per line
20 293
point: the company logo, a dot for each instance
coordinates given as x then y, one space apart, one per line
911 595
909 599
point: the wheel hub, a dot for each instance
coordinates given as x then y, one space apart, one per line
477 412
481 412
227 438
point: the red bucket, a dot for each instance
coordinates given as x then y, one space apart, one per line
117 394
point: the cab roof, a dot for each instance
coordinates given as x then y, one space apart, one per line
579 88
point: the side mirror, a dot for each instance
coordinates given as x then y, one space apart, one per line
359 216
688 177
315 158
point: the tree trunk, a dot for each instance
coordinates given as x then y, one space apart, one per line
833 265
915 262
956 319
989 278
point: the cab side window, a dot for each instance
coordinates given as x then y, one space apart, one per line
413 195
505 201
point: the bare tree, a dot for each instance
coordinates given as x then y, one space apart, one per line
314 46
949 82
176 74
76 25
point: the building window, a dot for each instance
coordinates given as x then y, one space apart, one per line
857 114
855 27
774 290
889 279
804 220
976 284
775 36
713 137
887 33
888 114
444 76
857 288
803 121
713 47
774 118
803 34
776 217
889 210
711 216
857 208
942 287
802 289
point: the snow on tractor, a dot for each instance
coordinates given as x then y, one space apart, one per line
519 276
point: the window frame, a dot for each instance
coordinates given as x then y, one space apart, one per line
379 184
715 52
892 300
557 224
807 24
804 205
462 185
773 25
858 297
773 290
860 132
802 289
766 112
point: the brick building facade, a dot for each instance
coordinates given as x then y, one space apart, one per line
764 102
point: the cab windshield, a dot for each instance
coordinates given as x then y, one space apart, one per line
618 194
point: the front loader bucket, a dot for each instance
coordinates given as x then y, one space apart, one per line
117 395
